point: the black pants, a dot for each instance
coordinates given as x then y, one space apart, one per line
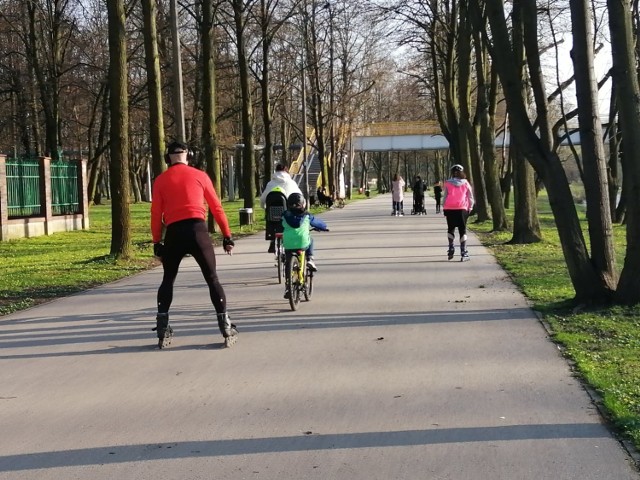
189 237
456 219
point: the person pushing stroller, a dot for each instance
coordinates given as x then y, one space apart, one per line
418 188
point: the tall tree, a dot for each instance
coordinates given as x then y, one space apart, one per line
526 224
119 114
50 30
240 9
271 16
208 71
587 283
154 86
592 147
628 94
486 78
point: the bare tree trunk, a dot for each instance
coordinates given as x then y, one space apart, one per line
526 225
593 157
614 153
628 92
586 282
119 114
485 112
209 122
248 170
154 87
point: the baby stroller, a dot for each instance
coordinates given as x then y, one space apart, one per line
418 205
418 197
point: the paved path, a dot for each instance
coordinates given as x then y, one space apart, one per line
403 366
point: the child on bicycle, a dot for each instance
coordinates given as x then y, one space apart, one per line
297 222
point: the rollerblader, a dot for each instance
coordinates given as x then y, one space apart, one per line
179 195
457 203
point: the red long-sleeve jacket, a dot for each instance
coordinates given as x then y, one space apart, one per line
180 193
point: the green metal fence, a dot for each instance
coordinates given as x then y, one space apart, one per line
64 188
23 188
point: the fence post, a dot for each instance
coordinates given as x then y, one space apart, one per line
45 193
83 186
4 200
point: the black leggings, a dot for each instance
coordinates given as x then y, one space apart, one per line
189 237
456 219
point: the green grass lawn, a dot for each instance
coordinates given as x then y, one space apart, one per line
604 343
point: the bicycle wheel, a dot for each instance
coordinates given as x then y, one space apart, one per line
308 285
293 267
280 259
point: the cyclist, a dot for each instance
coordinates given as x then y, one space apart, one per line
179 196
297 222
275 195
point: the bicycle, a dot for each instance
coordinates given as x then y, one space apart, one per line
298 279
280 257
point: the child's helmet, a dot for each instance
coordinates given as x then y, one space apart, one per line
457 168
296 201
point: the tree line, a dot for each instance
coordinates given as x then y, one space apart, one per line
101 78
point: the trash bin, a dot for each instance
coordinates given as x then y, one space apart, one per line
367 193
246 216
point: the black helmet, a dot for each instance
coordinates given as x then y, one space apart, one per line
296 201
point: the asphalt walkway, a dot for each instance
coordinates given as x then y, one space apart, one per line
402 366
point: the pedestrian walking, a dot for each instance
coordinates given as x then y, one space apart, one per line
397 195
437 195
418 188
457 203
178 205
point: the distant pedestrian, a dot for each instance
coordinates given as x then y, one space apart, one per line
418 188
437 194
457 203
179 197
397 195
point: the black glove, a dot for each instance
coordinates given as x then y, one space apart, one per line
158 249
228 244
